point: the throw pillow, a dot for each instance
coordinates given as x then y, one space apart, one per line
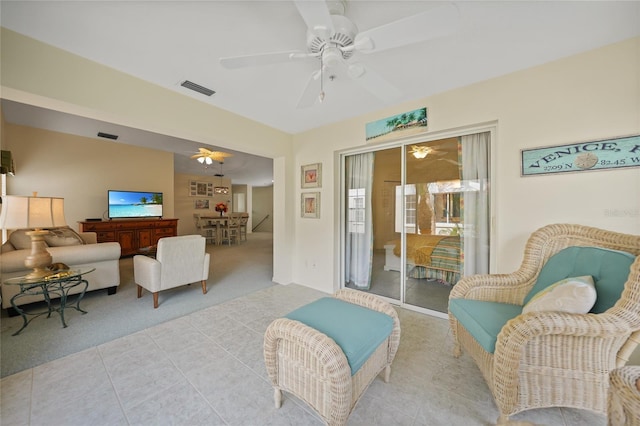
575 295
7 247
20 240
63 236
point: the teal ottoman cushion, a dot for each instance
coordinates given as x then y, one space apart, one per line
356 329
609 269
482 319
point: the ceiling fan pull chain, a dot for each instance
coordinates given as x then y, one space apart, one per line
321 96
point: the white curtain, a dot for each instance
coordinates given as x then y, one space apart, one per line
474 160
359 238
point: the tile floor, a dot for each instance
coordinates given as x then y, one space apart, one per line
206 368
420 292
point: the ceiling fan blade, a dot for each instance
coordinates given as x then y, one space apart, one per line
433 23
317 17
373 82
311 91
233 62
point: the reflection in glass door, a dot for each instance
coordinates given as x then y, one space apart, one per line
433 249
428 221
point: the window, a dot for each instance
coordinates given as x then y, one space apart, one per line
410 205
356 210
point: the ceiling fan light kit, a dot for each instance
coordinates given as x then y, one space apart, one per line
206 156
203 160
334 39
420 152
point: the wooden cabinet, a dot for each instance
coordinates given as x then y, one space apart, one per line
132 234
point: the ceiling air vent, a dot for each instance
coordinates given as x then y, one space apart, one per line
197 88
107 135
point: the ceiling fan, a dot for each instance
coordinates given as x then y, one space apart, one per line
333 39
206 156
434 152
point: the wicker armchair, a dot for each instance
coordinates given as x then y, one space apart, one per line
624 396
553 359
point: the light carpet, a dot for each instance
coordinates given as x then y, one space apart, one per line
235 271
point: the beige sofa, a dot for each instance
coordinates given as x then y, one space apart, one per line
68 247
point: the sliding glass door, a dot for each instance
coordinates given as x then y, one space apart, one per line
370 183
417 219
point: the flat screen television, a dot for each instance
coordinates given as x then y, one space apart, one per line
130 204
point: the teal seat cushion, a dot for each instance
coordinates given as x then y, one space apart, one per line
483 320
609 269
356 329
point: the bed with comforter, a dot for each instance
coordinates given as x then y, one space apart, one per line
428 256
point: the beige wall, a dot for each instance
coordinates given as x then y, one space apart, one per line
262 207
586 97
81 170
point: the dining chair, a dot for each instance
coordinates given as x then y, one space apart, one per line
244 219
207 229
231 229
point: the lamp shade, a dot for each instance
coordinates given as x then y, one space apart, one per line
31 212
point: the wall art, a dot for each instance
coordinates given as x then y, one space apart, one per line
200 189
311 175
201 204
310 205
405 124
602 154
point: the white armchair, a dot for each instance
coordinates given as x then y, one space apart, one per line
179 261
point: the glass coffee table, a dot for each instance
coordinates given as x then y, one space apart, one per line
53 286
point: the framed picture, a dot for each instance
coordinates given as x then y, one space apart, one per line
201 204
405 124
310 205
312 175
200 189
221 190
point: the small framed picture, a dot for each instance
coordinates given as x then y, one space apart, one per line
201 204
311 175
221 190
310 205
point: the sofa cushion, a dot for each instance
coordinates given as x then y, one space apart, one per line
358 331
609 269
575 295
63 236
483 320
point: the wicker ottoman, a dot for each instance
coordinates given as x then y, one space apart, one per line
312 366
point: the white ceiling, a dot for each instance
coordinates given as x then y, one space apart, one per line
167 42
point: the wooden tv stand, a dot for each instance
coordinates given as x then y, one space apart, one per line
132 234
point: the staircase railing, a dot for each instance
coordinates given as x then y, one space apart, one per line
259 223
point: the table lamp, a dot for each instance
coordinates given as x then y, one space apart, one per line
35 213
